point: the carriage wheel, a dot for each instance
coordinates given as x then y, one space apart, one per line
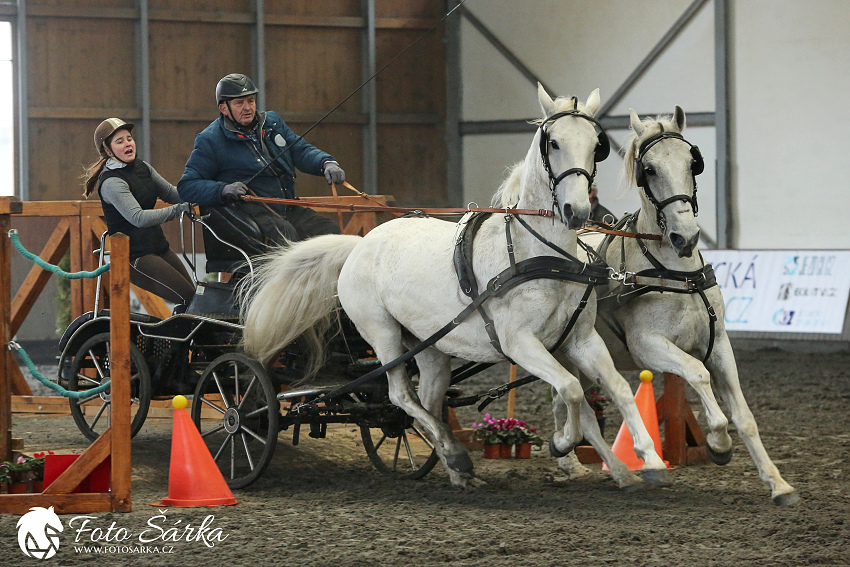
90 368
240 424
401 449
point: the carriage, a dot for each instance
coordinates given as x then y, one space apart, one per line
239 405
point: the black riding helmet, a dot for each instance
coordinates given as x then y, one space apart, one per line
234 85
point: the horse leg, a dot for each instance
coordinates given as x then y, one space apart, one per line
588 352
386 339
530 353
569 464
435 374
725 372
658 352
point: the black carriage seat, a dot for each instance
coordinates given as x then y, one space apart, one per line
234 226
215 300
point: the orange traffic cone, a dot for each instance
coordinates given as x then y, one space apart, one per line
624 446
193 478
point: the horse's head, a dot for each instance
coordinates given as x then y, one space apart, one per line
665 165
570 143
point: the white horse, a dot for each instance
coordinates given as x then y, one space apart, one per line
672 332
398 285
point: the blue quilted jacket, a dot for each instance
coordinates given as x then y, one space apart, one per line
223 155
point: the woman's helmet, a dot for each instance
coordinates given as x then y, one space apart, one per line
234 85
106 129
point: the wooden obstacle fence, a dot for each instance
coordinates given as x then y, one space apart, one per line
115 441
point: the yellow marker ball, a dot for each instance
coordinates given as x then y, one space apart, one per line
179 402
646 376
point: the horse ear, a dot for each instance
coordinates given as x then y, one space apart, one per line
546 103
635 123
679 118
592 104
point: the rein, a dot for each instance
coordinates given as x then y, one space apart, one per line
389 209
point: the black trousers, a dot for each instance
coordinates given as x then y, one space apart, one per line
163 275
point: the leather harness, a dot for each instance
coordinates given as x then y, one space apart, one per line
655 279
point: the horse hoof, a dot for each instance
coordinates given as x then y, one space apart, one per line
661 477
719 458
554 451
460 463
788 499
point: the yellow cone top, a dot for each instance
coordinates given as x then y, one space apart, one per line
646 376
180 402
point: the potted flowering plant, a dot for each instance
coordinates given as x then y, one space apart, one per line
499 435
5 477
525 436
491 431
23 471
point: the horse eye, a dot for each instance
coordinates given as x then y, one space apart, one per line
555 145
650 170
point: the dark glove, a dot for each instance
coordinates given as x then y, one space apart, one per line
333 173
234 191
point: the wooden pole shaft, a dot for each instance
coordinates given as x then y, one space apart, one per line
512 393
119 329
6 359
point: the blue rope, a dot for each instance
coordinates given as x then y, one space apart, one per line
53 385
13 234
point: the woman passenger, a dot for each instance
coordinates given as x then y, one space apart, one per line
128 190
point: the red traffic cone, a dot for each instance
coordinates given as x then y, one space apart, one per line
624 447
193 478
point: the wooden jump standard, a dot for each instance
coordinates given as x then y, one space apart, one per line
115 441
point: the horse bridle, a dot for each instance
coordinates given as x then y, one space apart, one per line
603 148
697 167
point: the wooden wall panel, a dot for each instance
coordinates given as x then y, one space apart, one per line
188 59
315 7
201 5
58 151
171 143
416 81
409 9
83 3
73 63
312 70
412 164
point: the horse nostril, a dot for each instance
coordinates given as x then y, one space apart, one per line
677 240
568 212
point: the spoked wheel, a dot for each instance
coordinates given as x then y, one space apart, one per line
400 449
90 368
241 433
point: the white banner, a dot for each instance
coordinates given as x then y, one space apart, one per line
792 291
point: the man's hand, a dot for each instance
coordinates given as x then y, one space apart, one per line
333 172
234 191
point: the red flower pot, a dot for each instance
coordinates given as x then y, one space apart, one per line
523 451
38 486
492 451
18 488
505 451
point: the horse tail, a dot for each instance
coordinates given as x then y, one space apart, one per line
292 295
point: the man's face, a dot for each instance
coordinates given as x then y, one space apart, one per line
242 110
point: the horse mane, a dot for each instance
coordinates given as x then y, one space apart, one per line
508 193
632 144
